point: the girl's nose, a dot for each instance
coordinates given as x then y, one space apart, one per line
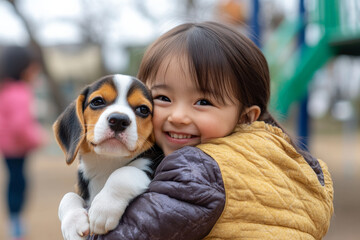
179 115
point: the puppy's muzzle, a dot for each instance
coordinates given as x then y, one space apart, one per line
118 122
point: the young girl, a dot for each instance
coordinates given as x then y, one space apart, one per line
244 179
19 131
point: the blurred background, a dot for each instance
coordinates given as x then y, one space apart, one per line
312 47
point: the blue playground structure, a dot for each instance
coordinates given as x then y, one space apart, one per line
293 62
291 72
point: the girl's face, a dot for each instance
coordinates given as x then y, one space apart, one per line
184 116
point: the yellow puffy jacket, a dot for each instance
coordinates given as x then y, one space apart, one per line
271 191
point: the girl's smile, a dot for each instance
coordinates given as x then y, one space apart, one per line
180 135
181 139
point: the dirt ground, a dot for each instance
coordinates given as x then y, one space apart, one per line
50 178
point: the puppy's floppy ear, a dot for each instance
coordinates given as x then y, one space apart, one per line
69 128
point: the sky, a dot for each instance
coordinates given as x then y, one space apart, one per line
11 29
47 13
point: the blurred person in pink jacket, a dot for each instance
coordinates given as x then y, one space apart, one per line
20 133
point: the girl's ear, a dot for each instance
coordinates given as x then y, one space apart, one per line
251 114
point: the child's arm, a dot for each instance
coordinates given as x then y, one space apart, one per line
184 200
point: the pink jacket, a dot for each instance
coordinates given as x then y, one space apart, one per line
19 130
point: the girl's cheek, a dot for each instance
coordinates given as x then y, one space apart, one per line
157 122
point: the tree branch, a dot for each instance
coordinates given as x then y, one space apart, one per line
56 94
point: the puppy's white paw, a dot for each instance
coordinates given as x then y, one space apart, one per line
75 225
105 213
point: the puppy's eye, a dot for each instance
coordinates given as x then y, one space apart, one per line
97 102
142 111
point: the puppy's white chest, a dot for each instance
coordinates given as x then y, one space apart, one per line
97 172
96 184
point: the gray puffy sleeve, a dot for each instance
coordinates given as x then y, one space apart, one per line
184 200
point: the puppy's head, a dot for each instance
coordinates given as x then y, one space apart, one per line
112 116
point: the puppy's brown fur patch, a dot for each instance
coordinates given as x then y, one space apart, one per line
144 125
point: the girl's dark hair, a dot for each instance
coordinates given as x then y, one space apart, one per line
221 60
14 60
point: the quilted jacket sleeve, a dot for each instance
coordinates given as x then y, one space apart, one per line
184 200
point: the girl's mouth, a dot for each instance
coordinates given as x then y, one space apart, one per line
182 139
180 135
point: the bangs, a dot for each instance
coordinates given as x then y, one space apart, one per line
210 67
196 52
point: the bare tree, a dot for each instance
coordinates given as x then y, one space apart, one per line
95 25
54 89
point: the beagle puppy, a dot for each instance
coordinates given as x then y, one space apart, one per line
109 127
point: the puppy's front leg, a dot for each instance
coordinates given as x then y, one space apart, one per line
73 217
108 206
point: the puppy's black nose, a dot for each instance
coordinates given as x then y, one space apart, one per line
118 122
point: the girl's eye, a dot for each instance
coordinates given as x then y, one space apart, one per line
162 98
203 102
97 102
142 111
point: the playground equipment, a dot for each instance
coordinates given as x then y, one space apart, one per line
291 71
293 63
